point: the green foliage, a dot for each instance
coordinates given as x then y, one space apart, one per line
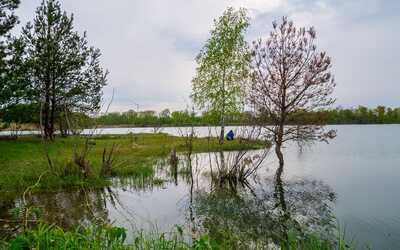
97 237
360 115
7 17
21 113
110 237
222 66
27 113
176 118
64 72
313 242
54 237
364 115
22 161
8 20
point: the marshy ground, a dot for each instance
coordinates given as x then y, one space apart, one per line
23 161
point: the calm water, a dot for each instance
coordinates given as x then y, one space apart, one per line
353 181
200 131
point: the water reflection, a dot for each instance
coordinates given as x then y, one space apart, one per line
266 209
66 208
227 194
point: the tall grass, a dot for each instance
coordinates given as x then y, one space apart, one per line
22 161
109 237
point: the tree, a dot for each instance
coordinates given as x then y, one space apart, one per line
288 75
64 73
380 112
8 20
14 83
222 64
165 114
20 113
362 114
182 117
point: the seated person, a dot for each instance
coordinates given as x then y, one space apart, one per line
230 136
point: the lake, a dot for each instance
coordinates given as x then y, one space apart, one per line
352 182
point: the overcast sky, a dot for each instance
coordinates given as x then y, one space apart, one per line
149 46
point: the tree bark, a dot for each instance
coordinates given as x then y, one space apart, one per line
278 146
46 112
222 133
47 92
63 129
279 154
53 111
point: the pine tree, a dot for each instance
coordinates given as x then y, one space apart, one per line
64 72
8 20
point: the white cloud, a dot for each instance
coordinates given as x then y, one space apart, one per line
149 46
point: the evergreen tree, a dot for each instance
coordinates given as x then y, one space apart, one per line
64 72
8 20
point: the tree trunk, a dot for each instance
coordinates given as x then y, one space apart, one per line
278 146
279 154
53 106
63 129
46 112
222 134
53 113
48 134
52 120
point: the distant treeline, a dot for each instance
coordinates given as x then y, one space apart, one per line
167 118
359 115
364 115
24 114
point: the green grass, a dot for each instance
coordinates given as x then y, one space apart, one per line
23 161
51 237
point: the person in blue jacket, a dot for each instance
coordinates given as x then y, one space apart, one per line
230 136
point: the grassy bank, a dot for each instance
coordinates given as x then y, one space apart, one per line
109 237
23 161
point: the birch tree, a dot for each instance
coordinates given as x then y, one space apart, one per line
222 64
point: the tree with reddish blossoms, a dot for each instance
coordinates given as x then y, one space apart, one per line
290 76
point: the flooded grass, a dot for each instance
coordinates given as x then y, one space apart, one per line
23 161
146 195
267 212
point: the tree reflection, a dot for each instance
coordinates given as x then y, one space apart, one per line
64 208
256 210
265 211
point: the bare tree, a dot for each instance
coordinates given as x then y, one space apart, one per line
289 75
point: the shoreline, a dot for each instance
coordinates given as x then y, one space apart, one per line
135 156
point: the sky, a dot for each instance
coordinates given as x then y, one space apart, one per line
149 46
